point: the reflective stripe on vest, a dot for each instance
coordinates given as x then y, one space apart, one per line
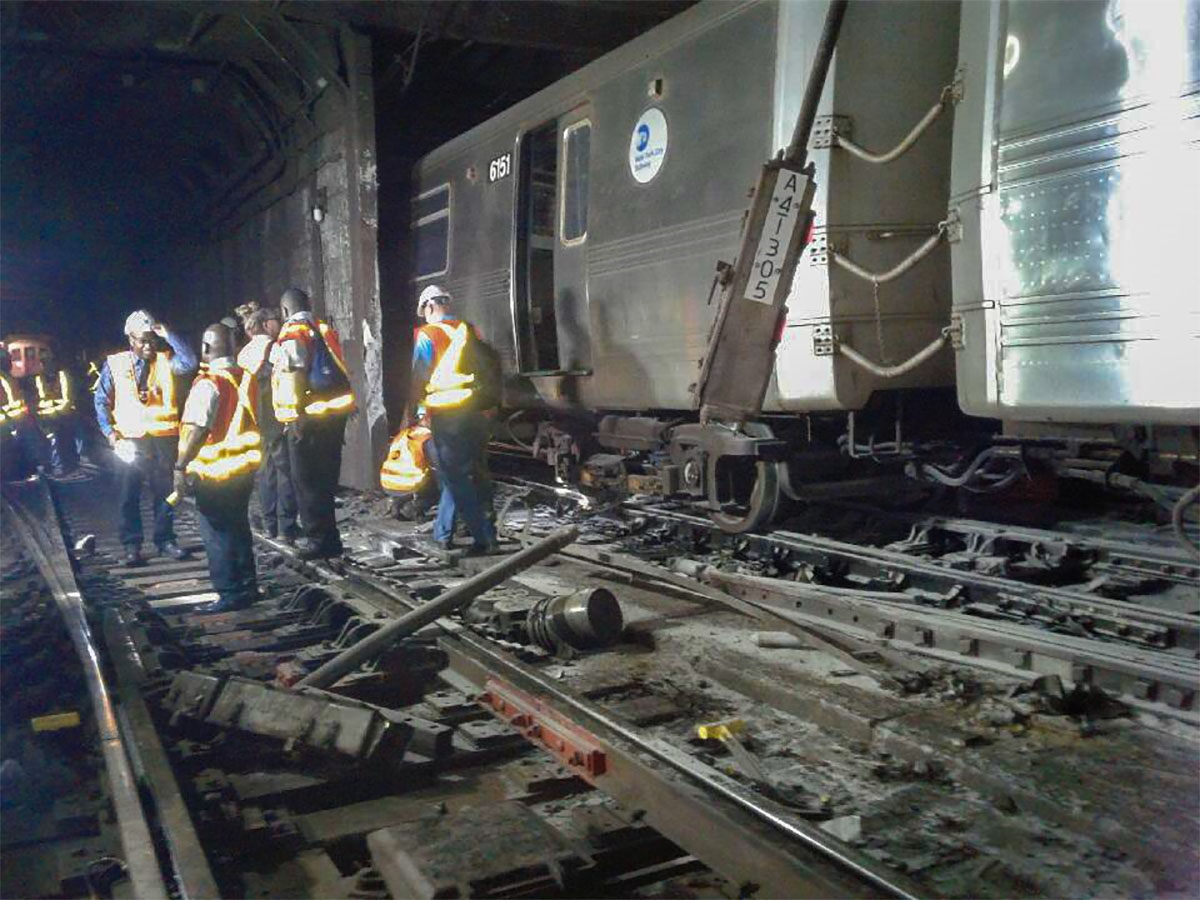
233 446
448 385
14 406
53 400
405 467
152 412
285 393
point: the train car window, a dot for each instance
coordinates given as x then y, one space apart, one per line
431 232
577 145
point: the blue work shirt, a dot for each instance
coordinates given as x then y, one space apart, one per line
183 362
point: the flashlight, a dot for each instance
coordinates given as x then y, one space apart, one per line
126 451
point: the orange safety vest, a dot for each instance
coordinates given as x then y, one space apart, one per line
233 446
12 401
405 468
448 386
285 394
54 397
140 413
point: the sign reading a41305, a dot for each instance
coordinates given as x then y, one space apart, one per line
500 167
783 214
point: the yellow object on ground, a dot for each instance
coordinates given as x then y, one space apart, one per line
55 721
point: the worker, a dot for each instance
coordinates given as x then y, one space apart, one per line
51 386
219 452
136 410
276 493
449 394
311 395
15 420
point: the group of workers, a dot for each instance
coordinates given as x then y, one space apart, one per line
37 406
268 403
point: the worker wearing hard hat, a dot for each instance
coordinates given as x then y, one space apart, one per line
219 452
449 387
137 411
312 398
276 492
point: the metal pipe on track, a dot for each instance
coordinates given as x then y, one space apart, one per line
38 529
459 595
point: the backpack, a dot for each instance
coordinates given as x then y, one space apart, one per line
325 375
483 360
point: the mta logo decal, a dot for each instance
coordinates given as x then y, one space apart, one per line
643 136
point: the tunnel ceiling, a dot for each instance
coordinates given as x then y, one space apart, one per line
125 124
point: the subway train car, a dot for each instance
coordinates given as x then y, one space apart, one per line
1001 212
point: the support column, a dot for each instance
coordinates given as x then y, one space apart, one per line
367 434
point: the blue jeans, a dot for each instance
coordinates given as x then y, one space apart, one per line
225 526
457 439
155 457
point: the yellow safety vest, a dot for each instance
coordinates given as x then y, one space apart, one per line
13 406
152 412
233 446
448 386
53 403
405 467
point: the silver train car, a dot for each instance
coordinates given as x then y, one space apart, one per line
1001 209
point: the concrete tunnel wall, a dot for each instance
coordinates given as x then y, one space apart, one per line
273 242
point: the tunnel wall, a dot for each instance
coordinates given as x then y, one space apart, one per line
273 242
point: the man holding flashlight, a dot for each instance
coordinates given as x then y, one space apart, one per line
138 413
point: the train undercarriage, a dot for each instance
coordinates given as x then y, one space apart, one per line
744 478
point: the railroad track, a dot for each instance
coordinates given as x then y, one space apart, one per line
328 783
957 609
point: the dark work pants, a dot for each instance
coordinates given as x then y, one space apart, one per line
458 436
276 493
315 445
60 432
224 519
155 460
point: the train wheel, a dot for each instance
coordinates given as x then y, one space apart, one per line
746 504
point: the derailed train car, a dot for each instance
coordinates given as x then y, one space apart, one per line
1000 212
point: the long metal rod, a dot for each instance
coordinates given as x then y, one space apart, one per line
46 546
797 151
459 595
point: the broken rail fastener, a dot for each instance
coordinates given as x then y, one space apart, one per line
447 602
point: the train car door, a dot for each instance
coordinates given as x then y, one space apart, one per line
550 289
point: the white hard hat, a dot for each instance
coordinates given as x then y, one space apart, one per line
139 323
429 294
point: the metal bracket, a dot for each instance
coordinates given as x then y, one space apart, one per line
818 249
573 746
958 87
954 227
826 130
824 340
957 331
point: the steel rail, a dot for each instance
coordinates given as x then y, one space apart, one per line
1183 631
726 826
33 518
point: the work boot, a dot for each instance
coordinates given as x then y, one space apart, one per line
312 550
133 556
173 550
490 549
